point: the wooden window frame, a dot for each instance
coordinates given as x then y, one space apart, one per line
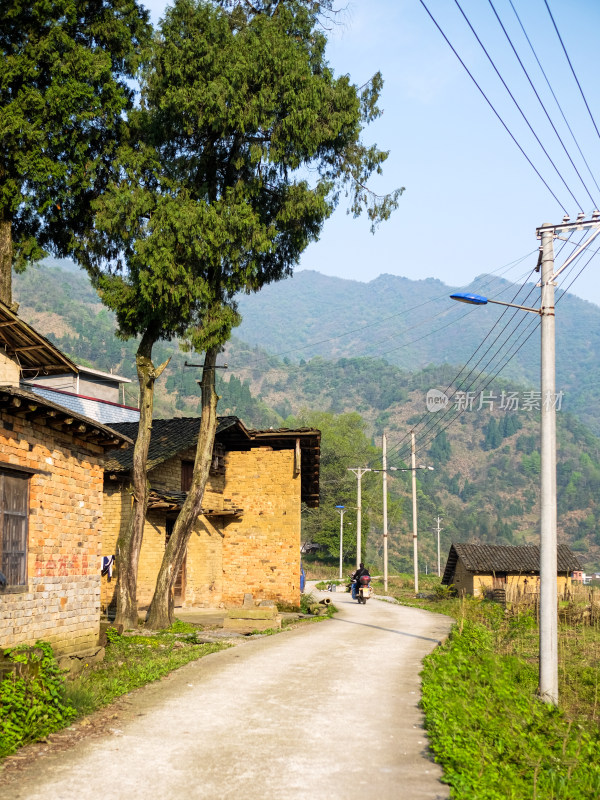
7 551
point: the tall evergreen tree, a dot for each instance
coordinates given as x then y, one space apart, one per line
212 196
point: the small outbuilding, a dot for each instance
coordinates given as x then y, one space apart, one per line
480 569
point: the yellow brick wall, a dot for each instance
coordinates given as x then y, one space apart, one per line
10 372
261 549
517 584
259 552
203 567
61 601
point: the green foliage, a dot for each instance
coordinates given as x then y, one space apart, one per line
344 443
441 451
491 735
134 661
32 699
235 103
64 86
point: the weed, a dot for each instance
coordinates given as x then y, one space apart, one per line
32 699
133 661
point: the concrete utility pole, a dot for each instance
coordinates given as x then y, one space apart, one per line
385 519
413 455
548 682
438 547
359 472
548 540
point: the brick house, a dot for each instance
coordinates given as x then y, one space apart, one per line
481 569
51 474
247 538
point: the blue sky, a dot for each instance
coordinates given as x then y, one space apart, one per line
472 202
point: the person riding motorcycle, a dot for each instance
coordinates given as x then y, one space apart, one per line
356 576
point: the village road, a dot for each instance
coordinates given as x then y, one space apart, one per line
327 711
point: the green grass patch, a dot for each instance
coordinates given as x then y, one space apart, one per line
134 661
493 737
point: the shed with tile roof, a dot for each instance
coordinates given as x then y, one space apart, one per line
479 569
247 539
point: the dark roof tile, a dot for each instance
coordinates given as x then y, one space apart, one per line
489 558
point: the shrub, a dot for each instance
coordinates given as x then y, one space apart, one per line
32 698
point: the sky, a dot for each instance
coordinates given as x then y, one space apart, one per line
472 202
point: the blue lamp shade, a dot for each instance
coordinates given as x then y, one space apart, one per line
473 299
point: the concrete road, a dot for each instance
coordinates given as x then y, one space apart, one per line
327 712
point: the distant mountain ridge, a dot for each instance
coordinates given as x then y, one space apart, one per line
414 324
486 477
410 324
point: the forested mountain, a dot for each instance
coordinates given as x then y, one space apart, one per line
485 482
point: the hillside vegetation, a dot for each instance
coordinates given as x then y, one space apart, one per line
486 477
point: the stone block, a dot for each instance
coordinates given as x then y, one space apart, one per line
252 613
251 625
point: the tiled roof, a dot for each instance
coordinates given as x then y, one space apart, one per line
169 437
516 559
172 436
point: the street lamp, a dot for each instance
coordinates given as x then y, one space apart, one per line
548 675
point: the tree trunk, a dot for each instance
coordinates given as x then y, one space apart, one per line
129 542
160 613
6 254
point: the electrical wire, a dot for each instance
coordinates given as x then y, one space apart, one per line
512 97
541 101
430 430
498 273
535 55
437 420
572 69
491 105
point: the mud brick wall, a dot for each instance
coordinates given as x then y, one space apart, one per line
203 565
60 602
261 549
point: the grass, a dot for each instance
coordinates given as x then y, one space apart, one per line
134 661
494 739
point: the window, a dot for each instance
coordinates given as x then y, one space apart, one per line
14 507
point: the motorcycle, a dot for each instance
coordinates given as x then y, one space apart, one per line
364 590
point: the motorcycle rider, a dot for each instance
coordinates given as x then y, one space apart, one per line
356 576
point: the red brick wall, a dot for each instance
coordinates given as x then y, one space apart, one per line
61 601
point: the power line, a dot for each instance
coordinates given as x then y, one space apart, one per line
436 421
554 95
540 101
512 97
489 102
572 69
505 268
434 425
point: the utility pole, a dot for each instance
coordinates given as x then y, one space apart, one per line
548 540
385 519
548 683
438 547
414 507
359 472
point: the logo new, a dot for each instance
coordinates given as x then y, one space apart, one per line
436 400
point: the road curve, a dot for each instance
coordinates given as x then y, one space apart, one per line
325 711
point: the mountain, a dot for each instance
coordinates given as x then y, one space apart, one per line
485 483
